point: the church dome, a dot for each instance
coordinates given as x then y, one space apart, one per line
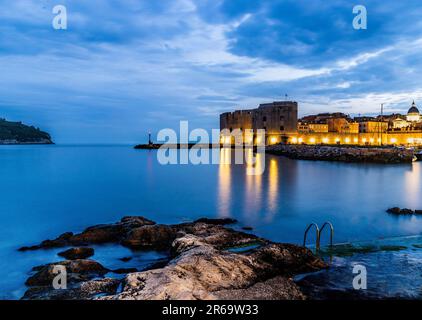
413 109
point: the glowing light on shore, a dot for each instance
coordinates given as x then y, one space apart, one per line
347 140
325 140
371 140
294 140
273 140
393 140
355 140
300 140
364 140
312 140
337 140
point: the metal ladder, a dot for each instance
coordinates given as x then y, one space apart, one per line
318 232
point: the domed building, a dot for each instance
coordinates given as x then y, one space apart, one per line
413 115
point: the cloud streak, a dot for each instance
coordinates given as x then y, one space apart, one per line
123 68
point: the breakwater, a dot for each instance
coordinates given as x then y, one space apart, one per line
344 153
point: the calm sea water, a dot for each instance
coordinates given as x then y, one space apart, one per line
47 190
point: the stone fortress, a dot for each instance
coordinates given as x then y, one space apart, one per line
280 121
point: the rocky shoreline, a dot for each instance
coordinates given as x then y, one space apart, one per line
385 155
404 211
206 261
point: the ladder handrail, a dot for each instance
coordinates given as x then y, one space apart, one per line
318 233
307 230
328 223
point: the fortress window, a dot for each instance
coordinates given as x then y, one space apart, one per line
264 119
281 128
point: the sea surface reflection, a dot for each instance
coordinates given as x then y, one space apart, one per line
47 190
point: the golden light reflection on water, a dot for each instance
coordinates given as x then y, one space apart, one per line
224 183
253 185
273 184
257 188
412 185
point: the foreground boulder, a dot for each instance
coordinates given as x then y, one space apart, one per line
201 272
201 265
77 270
79 291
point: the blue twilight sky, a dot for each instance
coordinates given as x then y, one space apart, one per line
128 66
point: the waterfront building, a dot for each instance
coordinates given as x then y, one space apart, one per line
400 123
413 114
373 126
342 125
278 119
312 127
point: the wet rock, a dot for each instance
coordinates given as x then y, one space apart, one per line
77 270
399 211
200 271
286 259
157 264
125 259
418 211
247 228
395 210
219 236
278 288
81 291
406 211
223 221
200 265
124 270
150 237
77 253
104 233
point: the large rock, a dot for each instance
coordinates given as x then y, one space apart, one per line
200 271
150 237
77 253
104 233
278 288
81 291
220 221
399 211
77 270
200 265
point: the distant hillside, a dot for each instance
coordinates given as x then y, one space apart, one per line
18 133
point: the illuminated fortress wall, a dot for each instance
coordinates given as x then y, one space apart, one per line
390 138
